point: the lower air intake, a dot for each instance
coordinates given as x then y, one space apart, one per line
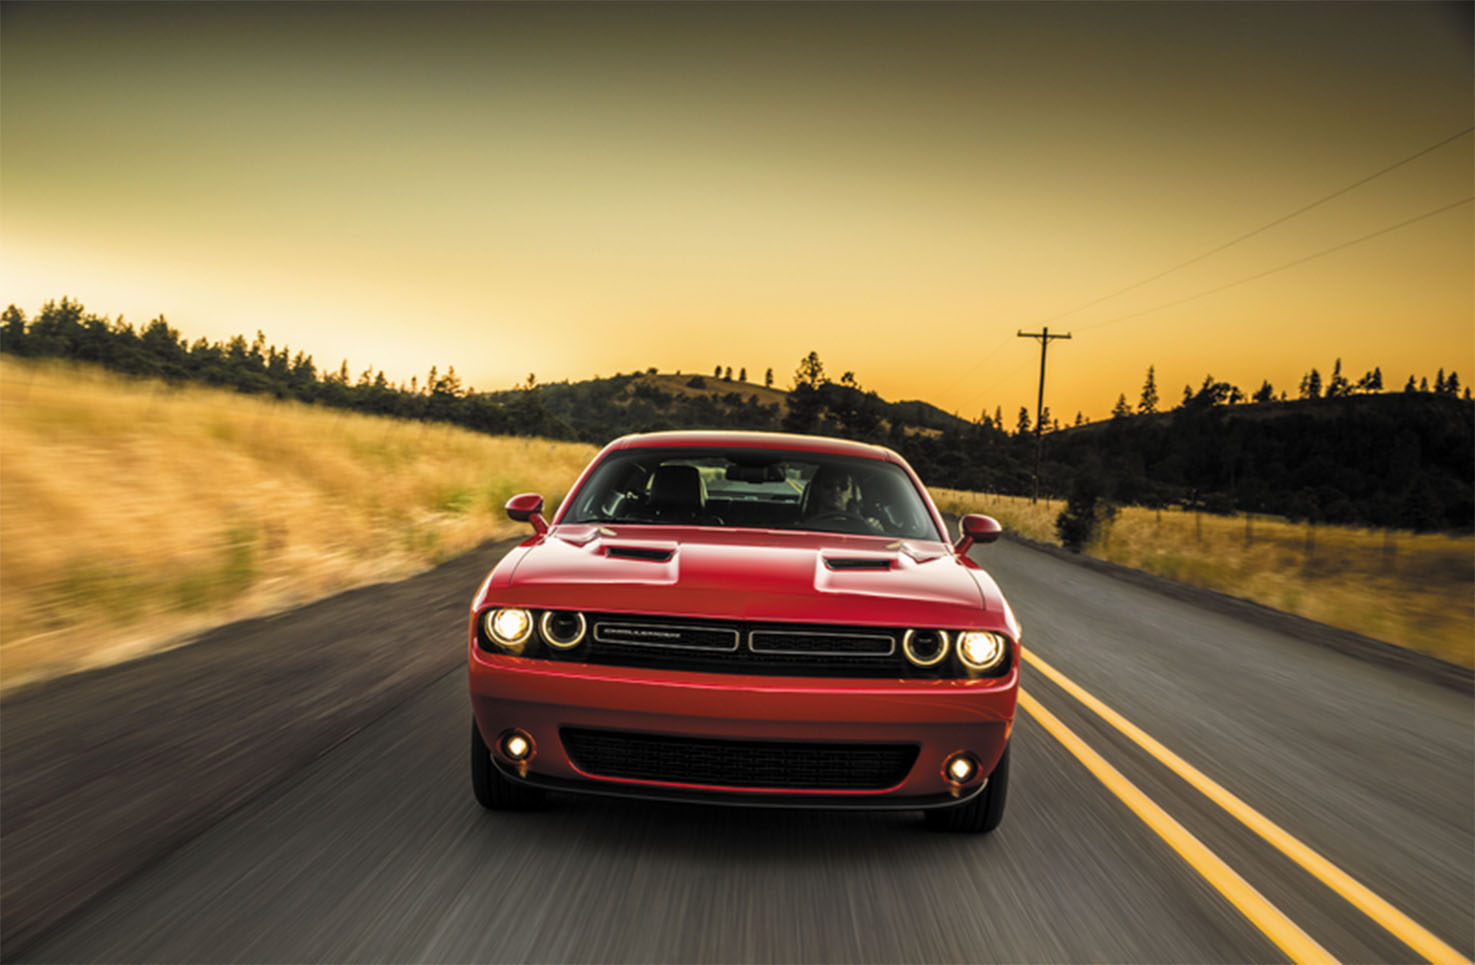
728 763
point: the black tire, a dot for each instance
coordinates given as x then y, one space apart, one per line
983 813
494 791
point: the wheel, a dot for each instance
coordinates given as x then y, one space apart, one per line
493 791
983 813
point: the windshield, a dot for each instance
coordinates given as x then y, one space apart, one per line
753 488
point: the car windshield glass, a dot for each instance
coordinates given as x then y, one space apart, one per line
753 488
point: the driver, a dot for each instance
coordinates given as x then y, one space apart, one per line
835 491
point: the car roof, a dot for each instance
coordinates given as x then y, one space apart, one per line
714 439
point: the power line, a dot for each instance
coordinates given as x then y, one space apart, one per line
1290 264
1267 226
1269 271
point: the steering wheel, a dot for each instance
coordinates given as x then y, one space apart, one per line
841 515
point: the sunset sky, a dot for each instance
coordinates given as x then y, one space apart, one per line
575 190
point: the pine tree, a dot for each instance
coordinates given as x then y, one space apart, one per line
1424 384
768 377
1337 386
1148 403
1311 385
1120 410
1024 423
1411 386
13 330
727 376
1439 382
717 372
811 372
743 375
1265 393
1452 384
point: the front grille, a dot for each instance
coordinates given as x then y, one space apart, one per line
813 642
796 650
742 647
664 635
731 763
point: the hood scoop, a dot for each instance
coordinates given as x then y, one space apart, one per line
857 563
648 553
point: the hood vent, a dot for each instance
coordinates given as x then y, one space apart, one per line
857 563
638 553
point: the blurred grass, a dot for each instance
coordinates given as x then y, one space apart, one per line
1415 590
134 514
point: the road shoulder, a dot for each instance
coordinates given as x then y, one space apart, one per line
103 772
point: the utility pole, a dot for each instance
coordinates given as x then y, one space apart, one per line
1044 336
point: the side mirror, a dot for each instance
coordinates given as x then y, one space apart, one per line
977 529
528 508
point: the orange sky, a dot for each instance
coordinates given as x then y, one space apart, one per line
571 190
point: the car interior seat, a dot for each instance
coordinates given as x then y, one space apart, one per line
678 494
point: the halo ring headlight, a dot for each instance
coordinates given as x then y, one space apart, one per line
909 642
548 630
509 627
981 650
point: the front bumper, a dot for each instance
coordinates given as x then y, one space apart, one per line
939 717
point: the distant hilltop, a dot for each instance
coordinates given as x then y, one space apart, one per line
1346 452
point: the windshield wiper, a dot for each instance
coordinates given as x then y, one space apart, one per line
620 519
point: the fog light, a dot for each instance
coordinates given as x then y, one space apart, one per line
960 768
516 746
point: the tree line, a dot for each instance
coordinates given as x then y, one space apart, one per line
64 329
1341 451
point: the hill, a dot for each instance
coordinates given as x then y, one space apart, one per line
597 410
1397 459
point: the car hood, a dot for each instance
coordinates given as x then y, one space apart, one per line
749 575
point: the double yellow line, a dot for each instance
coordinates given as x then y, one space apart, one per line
1272 922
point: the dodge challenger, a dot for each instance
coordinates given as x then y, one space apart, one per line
745 618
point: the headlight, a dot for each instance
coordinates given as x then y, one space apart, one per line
924 648
510 628
562 630
981 650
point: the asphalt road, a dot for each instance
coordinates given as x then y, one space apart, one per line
376 850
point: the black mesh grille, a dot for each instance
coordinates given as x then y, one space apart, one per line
728 763
761 648
822 642
776 649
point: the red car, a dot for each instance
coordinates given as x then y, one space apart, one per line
749 618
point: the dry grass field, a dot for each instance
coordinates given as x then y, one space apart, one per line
1413 590
134 514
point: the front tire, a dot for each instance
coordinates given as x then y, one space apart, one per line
494 791
983 813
